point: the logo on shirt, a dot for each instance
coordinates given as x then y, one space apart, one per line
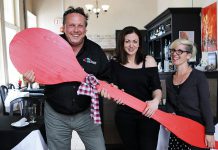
89 61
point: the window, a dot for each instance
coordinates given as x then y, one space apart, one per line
9 27
31 20
13 75
9 11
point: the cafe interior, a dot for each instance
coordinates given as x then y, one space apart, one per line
160 22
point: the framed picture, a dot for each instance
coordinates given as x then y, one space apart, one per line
188 35
212 59
209 28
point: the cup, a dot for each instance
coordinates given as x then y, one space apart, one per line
32 114
25 112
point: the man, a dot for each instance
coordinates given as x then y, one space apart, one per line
66 111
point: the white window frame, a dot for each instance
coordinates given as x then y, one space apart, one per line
17 26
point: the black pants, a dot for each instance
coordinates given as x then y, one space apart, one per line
137 131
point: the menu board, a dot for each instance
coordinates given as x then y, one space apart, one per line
105 41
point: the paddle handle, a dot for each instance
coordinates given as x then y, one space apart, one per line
127 99
180 126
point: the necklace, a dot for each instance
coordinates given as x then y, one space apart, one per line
178 79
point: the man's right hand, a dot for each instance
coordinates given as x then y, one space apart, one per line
29 76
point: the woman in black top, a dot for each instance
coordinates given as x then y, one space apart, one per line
138 76
188 93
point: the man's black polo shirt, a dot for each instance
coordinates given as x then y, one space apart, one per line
63 97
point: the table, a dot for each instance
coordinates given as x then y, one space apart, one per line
12 95
36 95
41 90
11 136
39 95
37 144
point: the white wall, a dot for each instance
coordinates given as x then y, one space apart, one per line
121 13
46 11
163 5
207 2
29 5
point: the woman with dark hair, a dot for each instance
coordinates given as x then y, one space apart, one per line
137 75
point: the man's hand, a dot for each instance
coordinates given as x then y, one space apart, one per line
29 76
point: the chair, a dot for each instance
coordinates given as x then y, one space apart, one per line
4 91
3 94
24 102
11 86
2 106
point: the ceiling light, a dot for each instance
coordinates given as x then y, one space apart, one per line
96 9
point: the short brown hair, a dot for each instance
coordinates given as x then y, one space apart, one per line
78 10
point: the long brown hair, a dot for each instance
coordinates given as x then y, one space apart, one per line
121 53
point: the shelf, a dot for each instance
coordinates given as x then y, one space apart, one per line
163 35
173 20
109 49
157 58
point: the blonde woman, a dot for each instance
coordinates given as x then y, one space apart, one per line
188 94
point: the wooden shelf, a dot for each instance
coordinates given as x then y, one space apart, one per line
173 20
109 49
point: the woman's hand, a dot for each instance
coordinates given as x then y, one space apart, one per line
104 92
106 95
210 141
152 106
29 76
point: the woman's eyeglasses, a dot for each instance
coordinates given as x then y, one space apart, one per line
178 51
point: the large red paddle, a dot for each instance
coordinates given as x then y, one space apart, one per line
53 61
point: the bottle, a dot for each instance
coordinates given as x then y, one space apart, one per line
156 33
159 67
162 28
166 55
166 50
171 66
19 84
160 31
168 46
